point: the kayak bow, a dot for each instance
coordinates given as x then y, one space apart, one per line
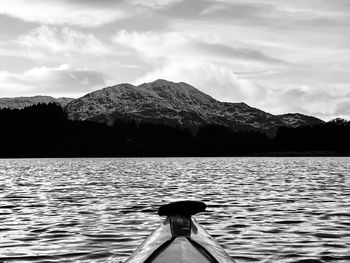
180 239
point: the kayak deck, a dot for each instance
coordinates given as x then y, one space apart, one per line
181 251
180 239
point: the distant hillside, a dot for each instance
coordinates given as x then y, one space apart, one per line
22 102
175 104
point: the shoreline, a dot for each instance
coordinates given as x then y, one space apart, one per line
267 154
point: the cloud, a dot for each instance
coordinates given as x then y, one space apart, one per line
308 99
243 11
61 41
239 53
343 108
311 100
175 45
51 45
155 4
63 80
150 44
273 13
87 13
61 12
9 50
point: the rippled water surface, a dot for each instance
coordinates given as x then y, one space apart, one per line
100 210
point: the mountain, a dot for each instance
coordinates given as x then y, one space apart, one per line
175 104
22 102
297 119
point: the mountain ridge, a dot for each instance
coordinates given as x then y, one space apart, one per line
164 102
175 104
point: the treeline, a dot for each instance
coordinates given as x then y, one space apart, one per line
333 136
44 130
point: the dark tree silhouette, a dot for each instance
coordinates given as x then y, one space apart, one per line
43 130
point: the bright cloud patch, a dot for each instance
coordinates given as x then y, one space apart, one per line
61 12
62 41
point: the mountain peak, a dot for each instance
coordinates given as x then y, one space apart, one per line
163 82
177 92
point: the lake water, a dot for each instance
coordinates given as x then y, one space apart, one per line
100 210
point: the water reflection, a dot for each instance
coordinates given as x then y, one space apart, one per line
99 210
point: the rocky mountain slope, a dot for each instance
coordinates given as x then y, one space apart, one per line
22 102
174 104
297 119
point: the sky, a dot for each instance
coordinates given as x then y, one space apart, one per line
276 55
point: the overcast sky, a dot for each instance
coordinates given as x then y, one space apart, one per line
277 55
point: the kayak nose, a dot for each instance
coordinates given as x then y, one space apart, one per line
180 225
179 215
180 239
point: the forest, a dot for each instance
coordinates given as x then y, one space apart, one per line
43 130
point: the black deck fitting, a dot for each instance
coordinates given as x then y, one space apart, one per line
184 208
